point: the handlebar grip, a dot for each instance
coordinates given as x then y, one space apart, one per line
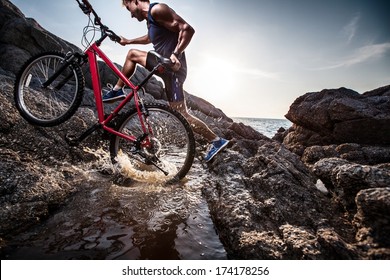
115 38
86 3
111 34
85 6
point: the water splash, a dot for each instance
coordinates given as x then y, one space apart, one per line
143 220
102 163
131 168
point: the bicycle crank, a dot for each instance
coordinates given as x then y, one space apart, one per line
149 159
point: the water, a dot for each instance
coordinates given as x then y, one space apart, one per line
114 218
111 218
267 127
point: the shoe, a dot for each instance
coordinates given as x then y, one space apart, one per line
113 95
215 148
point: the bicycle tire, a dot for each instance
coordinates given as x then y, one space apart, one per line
54 104
173 143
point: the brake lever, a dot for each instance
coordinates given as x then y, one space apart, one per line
86 10
113 36
98 21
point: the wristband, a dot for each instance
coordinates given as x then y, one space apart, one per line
178 55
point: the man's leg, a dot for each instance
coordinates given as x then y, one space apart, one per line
217 144
197 125
176 98
133 57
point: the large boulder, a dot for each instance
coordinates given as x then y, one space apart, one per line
343 116
22 37
344 139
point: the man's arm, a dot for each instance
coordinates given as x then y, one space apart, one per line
144 40
168 18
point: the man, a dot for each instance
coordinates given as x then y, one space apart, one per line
170 35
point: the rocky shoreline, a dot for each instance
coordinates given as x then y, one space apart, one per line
319 190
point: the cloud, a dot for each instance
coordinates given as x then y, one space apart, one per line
363 54
349 30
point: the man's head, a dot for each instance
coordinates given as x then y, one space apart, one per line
136 8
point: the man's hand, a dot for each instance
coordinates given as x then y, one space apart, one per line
124 41
143 40
176 61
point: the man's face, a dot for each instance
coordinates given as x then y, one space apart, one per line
134 9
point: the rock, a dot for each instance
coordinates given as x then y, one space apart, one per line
271 208
346 179
264 196
352 152
346 145
344 115
321 187
22 37
373 220
8 114
30 191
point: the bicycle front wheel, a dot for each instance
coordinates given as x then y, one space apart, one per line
172 145
52 104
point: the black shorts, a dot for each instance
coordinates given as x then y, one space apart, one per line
173 80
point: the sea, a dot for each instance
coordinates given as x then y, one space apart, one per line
267 127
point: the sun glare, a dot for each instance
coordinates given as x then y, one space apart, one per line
214 77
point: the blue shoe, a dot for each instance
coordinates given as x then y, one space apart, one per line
113 95
215 148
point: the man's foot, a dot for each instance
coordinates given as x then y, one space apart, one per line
113 95
215 148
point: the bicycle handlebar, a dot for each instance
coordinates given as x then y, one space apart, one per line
87 9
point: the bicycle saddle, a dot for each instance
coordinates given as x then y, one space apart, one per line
163 60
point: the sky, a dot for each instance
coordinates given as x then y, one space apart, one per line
253 58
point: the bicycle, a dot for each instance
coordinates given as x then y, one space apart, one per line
153 137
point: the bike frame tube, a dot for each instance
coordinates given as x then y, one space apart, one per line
93 51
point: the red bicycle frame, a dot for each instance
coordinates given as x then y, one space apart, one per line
93 51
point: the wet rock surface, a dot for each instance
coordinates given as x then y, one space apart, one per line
261 198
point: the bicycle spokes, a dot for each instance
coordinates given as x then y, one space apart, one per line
48 91
165 155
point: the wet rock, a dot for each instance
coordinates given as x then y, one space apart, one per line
29 191
270 207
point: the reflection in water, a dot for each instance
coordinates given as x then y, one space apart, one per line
170 223
137 221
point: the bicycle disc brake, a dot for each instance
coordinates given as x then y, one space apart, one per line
149 154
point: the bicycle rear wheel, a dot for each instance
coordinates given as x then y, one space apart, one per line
52 104
172 150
